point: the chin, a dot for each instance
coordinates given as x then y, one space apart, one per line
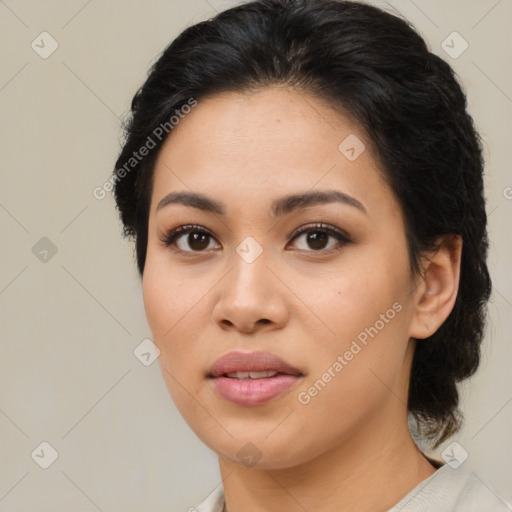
258 451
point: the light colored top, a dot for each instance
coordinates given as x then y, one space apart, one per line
447 490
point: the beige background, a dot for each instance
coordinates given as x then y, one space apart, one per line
69 325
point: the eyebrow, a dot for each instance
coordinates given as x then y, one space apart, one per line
279 208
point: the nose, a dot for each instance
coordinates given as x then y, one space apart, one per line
251 298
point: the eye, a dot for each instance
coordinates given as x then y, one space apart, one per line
190 238
319 237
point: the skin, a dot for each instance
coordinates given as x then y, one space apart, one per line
302 303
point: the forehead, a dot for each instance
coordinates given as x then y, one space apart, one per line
277 116
265 141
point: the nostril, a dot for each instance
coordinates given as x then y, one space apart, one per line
245 326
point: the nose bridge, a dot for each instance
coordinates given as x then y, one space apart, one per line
250 295
249 274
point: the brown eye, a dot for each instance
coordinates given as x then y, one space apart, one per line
194 241
198 241
191 239
319 238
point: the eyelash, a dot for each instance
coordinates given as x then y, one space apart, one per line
343 239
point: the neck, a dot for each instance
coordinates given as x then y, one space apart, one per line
371 472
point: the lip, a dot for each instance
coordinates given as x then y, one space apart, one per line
250 362
252 392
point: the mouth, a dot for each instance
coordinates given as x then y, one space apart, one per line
252 375
251 365
252 378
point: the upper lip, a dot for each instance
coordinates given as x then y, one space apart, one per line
250 362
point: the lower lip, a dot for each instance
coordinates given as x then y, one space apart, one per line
250 392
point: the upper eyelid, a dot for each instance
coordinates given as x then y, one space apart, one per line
188 228
320 226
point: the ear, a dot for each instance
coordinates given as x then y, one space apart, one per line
436 289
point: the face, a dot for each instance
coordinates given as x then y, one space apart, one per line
287 243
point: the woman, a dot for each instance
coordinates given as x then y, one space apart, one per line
304 187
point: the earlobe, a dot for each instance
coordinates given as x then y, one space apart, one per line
436 291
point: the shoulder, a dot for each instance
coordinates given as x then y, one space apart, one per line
447 490
479 495
452 490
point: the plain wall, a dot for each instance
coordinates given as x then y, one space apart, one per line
70 323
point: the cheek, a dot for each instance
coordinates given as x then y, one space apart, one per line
160 300
178 308
353 378
354 299
168 295
365 316
172 305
